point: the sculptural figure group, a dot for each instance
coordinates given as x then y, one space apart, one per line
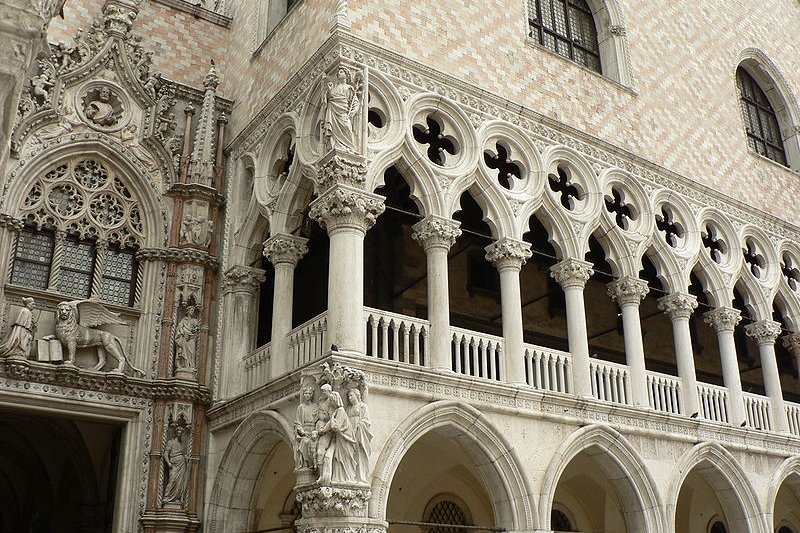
332 439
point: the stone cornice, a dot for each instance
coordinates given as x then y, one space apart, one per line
195 190
527 402
411 76
102 382
177 255
198 11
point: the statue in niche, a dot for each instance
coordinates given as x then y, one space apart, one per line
18 342
176 464
75 323
305 431
186 333
341 101
358 413
336 453
100 110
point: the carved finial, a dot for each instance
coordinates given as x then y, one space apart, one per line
212 79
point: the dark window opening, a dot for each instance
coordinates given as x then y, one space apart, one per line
567 28
760 120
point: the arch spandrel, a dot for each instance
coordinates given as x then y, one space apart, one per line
619 461
725 475
496 461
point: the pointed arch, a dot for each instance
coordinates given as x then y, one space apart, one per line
229 508
721 470
786 472
494 458
619 461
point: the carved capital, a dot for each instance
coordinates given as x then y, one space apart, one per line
628 291
343 207
678 305
723 318
508 253
571 273
242 279
284 248
764 331
333 500
792 343
436 232
341 168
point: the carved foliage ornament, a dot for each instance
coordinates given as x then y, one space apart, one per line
723 318
628 290
85 198
336 169
343 206
764 331
678 305
436 232
508 253
572 273
284 248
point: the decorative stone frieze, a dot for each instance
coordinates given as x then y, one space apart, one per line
242 279
341 168
343 207
354 528
764 331
325 501
628 291
436 232
723 318
571 273
285 248
508 253
177 255
678 305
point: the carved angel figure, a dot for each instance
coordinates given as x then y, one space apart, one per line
340 104
75 322
68 122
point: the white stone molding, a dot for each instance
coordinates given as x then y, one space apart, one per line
678 305
628 291
723 318
342 207
572 273
285 248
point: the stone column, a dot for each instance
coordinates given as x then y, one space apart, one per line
792 343
283 251
679 306
628 292
572 275
508 256
100 256
437 234
765 332
724 320
240 286
347 213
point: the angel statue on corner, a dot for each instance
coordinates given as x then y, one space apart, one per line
75 323
341 101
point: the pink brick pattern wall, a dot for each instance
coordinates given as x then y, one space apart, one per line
684 114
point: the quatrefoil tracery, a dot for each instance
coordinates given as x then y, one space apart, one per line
569 193
671 229
790 272
624 212
439 144
715 246
755 260
500 160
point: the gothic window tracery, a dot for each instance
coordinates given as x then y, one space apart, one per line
82 230
567 28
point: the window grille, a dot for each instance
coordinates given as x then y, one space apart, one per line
760 121
82 230
567 28
450 515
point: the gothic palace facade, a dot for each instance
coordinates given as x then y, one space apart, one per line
358 266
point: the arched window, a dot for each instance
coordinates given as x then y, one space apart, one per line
270 13
559 521
785 529
567 28
760 121
717 527
82 230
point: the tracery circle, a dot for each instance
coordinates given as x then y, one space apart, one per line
66 200
91 174
106 209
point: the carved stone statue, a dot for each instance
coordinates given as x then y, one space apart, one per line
128 138
177 466
336 458
340 104
305 434
66 125
75 322
195 229
100 111
186 340
360 422
18 342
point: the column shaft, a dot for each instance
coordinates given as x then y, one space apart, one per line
628 293
724 320
439 309
765 332
679 307
511 301
346 290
